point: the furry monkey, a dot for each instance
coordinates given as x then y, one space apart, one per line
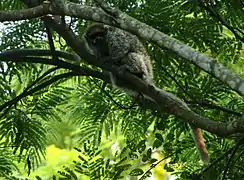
123 49
120 48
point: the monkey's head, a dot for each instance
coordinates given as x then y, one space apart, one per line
95 36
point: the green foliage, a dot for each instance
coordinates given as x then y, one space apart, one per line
92 164
6 164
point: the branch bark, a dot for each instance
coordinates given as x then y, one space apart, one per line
38 52
16 15
84 71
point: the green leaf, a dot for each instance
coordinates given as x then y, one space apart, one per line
136 172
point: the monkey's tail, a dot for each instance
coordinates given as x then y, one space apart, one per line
200 144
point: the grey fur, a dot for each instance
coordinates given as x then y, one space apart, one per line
122 49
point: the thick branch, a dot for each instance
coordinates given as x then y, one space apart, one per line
30 13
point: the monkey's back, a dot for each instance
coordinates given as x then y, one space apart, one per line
124 44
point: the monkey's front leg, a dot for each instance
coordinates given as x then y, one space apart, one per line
114 60
108 60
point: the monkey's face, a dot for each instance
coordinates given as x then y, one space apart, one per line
97 38
97 41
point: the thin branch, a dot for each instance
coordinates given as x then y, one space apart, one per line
201 103
231 157
50 41
41 77
169 156
84 71
214 106
176 82
154 165
5 112
115 102
216 161
214 13
36 89
238 157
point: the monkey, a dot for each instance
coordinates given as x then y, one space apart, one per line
123 49
120 48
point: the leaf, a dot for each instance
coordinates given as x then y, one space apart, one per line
141 146
149 152
144 158
153 161
159 137
136 172
157 143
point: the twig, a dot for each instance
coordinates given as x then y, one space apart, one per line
170 155
35 89
231 156
214 106
111 98
154 165
176 82
41 77
210 104
216 15
216 161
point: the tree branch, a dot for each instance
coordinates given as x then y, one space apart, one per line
38 52
214 106
49 71
84 71
16 15
166 102
37 88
